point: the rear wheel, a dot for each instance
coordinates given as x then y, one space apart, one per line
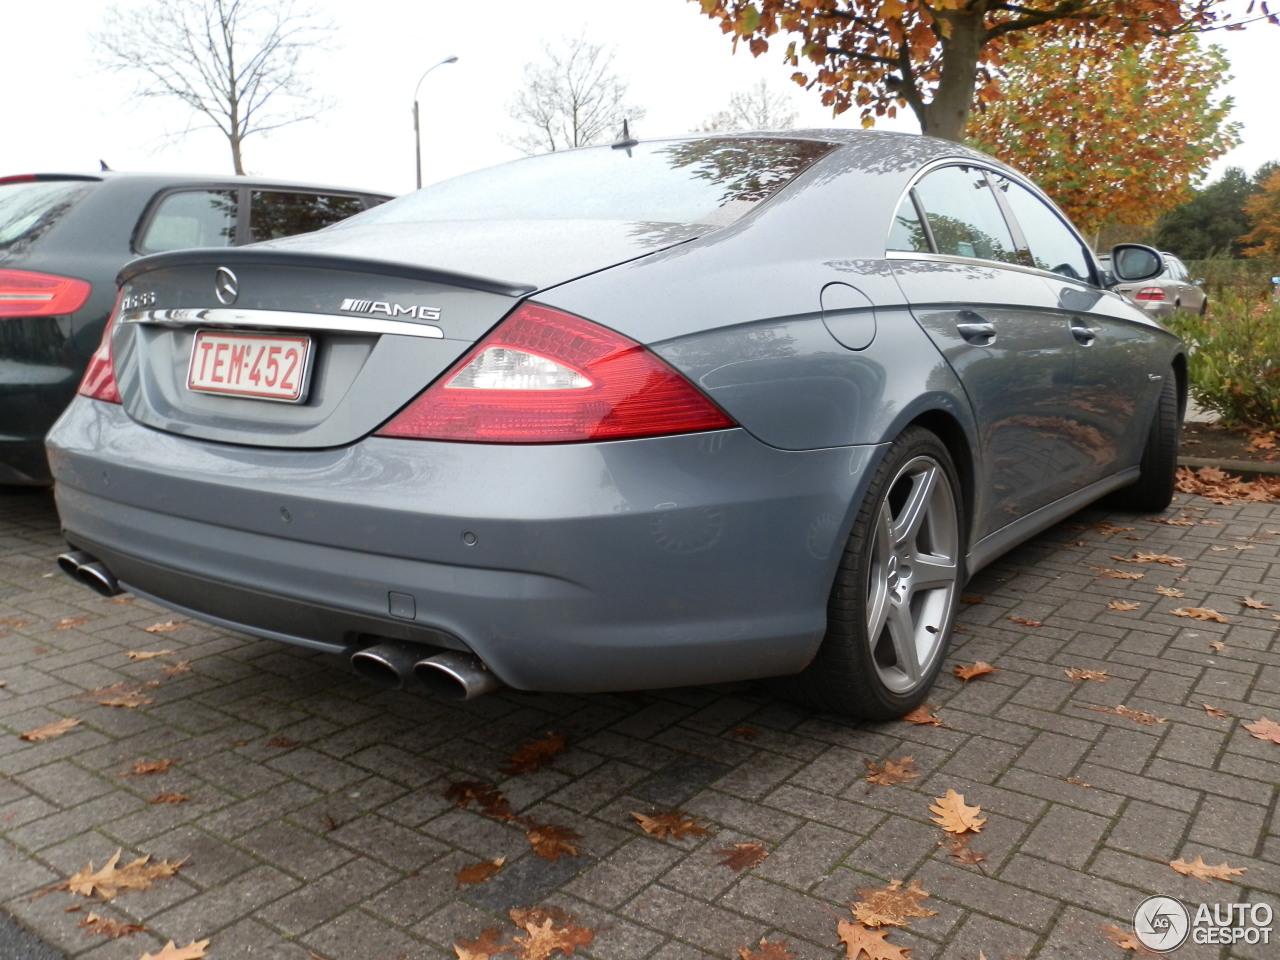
1154 488
891 609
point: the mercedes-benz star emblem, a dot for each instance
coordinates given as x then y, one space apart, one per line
225 286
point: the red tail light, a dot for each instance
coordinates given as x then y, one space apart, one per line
99 381
1150 293
549 377
27 294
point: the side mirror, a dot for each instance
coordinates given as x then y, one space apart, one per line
1132 262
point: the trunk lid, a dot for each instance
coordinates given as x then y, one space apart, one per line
316 341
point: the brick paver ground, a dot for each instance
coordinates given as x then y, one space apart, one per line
318 825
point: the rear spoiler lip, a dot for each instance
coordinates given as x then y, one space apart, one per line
322 261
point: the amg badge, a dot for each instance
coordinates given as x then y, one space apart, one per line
352 305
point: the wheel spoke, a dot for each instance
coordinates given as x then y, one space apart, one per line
914 512
929 571
902 630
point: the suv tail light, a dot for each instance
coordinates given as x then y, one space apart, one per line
27 294
1150 293
99 381
543 376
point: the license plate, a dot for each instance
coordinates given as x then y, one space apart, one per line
266 367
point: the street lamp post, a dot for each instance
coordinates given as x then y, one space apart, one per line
417 135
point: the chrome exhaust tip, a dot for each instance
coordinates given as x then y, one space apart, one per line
389 665
454 675
89 571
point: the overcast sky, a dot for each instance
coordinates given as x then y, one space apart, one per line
58 113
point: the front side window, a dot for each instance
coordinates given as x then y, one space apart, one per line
963 215
279 213
191 218
1053 244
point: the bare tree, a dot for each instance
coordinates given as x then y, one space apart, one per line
756 108
573 100
234 63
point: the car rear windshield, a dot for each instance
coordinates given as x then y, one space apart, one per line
714 180
30 207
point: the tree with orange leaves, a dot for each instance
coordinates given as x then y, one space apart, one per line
937 57
1263 210
1117 135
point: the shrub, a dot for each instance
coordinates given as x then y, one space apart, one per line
1250 279
1234 360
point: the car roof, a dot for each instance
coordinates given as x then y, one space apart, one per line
193 179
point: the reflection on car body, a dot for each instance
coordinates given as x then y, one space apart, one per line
707 409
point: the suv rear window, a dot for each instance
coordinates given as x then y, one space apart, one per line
30 207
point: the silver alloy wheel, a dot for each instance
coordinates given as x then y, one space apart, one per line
914 574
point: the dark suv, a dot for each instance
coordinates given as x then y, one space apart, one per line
63 238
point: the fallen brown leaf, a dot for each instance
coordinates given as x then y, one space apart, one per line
284 743
107 882
1127 941
769 950
478 872
487 797
1077 674
1075 781
891 906
1025 622
50 730
1214 711
1217 646
958 848
1170 592
860 940
170 798
922 715
1118 574
169 626
745 733
979 669
1123 605
973 600
891 772
534 755
482 947
173 669
66 623
1138 716
743 856
551 842
1264 729
1145 557
1253 604
136 655
673 824
106 927
192 951
1200 613
1202 871
954 816
546 938
145 768
129 701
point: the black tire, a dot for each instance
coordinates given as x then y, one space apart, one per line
1154 488
894 600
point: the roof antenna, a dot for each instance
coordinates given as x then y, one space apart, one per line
626 141
102 165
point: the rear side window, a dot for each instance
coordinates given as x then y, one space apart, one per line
30 207
191 218
963 215
1054 246
277 213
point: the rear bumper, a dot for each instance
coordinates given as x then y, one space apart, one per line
576 567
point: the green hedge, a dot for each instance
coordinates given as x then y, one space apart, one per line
1247 279
1234 359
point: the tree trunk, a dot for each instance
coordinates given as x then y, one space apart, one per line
948 113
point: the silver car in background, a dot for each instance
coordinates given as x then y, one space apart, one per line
663 413
1168 292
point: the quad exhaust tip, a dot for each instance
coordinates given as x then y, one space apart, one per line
89 571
